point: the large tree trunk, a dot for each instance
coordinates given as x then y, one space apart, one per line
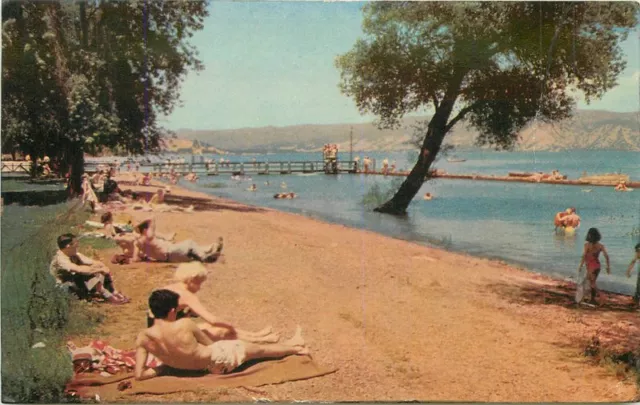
76 161
398 204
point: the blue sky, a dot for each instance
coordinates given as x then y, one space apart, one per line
272 64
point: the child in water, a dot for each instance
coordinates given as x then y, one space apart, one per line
592 249
636 297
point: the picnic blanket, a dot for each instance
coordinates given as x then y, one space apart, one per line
251 374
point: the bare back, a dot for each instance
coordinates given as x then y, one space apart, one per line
176 344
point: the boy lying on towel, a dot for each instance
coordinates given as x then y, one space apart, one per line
182 345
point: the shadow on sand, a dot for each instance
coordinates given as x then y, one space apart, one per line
560 295
202 204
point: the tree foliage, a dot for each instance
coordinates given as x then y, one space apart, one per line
498 65
81 76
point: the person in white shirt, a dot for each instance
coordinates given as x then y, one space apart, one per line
83 276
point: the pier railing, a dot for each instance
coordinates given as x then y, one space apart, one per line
241 168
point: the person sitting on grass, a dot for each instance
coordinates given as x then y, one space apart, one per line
182 345
83 276
149 247
111 229
636 257
189 278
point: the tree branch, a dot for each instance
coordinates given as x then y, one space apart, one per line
435 100
461 115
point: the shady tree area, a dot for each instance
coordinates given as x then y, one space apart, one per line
496 65
85 75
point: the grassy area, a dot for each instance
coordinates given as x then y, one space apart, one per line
33 309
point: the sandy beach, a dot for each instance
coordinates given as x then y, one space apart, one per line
399 320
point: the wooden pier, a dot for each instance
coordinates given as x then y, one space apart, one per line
240 168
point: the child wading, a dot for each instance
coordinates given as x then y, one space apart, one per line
636 297
592 249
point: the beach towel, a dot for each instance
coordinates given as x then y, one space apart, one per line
582 287
252 374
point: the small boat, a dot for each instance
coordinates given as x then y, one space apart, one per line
456 160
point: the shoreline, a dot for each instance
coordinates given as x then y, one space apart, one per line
399 320
513 263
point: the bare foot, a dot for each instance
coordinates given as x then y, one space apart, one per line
296 339
266 331
271 338
303 351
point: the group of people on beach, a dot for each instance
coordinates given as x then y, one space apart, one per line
171 336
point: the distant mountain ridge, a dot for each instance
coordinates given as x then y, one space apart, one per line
586 130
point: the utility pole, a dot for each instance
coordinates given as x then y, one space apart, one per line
351 145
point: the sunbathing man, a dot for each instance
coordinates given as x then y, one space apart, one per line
182 345
83 275
189 278
157 204
149 247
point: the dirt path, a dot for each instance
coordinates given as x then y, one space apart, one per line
400 320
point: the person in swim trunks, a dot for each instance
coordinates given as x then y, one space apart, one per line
592 249
180 344
149 247
189 278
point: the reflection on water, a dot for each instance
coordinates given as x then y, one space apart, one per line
566 241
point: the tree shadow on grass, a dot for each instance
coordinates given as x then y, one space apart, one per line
561 294
35 197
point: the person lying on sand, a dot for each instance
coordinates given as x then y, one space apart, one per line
149 247
180 344
110 229
189 278
157 204
83 276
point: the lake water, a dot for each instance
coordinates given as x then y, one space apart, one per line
509 221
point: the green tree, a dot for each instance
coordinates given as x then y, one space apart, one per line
80 76
497 65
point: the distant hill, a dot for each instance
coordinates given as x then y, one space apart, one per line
586 130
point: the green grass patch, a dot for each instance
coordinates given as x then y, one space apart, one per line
378 195
34 310
90 243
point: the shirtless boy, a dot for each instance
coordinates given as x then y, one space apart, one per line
182 345
148 246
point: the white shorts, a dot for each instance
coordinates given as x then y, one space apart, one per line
226 355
